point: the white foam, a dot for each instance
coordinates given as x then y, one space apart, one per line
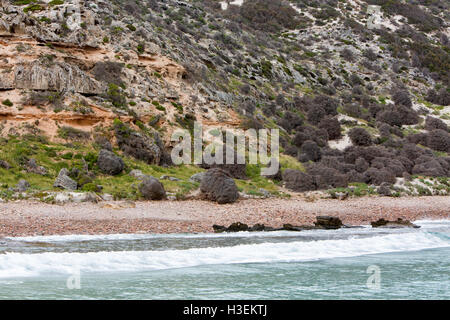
13 265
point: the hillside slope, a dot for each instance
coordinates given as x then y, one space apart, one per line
361 94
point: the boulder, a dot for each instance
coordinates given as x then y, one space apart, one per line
4 164
22 185
197 177
399 223
327 222
166 177
218 186
137 174
237 227
152 189
219 229
64 181
109 163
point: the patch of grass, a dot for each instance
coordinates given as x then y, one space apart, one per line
7 103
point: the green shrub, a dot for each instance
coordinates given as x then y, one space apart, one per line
7 103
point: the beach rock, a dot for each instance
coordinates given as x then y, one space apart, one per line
218 186
399 223
296 180
22 186
290 227
219 229
237 227
64 197
109 163
4 164
258 227
137 174
197 177
107 197
64 181
327 222
152 189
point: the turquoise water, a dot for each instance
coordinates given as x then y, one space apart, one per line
402 263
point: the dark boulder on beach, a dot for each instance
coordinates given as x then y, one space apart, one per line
218 186
327 222
109 163
399 223
237 227
152 189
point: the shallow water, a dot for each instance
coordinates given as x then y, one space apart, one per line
319 264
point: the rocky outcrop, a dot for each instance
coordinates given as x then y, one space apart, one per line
152 189
327 222
322 222
138 145
63 181
58 76
218 186
109 163
399 223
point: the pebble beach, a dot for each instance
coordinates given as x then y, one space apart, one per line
29 218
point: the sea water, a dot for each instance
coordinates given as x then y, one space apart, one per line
363 263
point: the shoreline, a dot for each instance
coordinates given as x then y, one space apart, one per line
33 218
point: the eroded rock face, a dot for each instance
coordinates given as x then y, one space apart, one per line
54 77
218 186
152 189
109 163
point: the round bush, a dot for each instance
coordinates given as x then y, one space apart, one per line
360 137
310 151
439 140
332 126
432 123
378 176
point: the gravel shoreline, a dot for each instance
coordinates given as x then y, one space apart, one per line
28 218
